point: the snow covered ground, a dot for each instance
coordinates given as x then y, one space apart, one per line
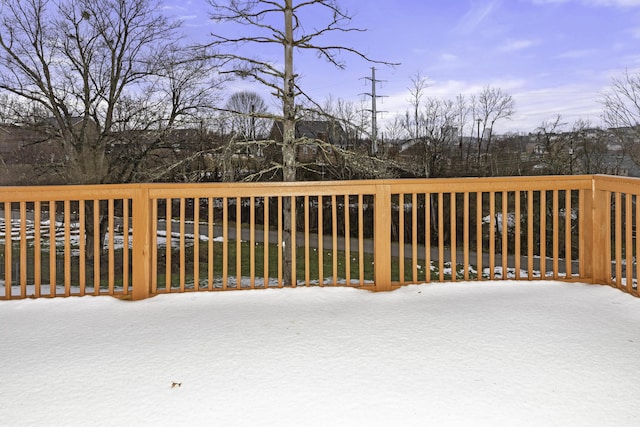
482 354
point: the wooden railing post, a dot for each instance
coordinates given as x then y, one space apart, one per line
382 238
142 241
600 236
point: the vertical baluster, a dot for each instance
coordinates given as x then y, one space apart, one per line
225 242
182 244
111 246
252 242
505 235
618 238
479 225
52 249
196 243
530 237
453 219
361 237
8 243
401 238
517 242
168 230
294 278
320 241
210 246
582 226
334 248
238 243
441 235
636 222
82 246
307 273
465 237
427 237
126 247
628 224
67 248
347 240
556 235
37 248
265 256
492 235
567 233
23 249
607 250
97 246
281 248
414 237
543 234
154 247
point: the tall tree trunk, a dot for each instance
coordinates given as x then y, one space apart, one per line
288 140
90 234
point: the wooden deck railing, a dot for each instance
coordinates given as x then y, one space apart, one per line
139 240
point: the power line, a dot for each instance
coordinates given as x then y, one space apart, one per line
374 110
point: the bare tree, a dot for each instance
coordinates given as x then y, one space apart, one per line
552 147
591 151
279 23
462 114
439 125
111 86
395 130
419 85
490 106
578 149
245 109
621 112
99 69
508 156
622 102
355 120
439 118
430 124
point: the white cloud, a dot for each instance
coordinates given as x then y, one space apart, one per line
575 54
603 3
398 103
572 102
448 57
534 105
549 1
516 45
619 3
478 13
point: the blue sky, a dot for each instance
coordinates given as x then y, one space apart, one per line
553 56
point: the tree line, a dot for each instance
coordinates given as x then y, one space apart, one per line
116 93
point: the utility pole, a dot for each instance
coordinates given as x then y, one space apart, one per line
374 110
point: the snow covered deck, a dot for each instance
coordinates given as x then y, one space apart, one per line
480 354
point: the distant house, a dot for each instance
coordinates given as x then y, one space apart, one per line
313 133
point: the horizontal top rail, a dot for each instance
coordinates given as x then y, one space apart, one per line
302 188
617 184
70 192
